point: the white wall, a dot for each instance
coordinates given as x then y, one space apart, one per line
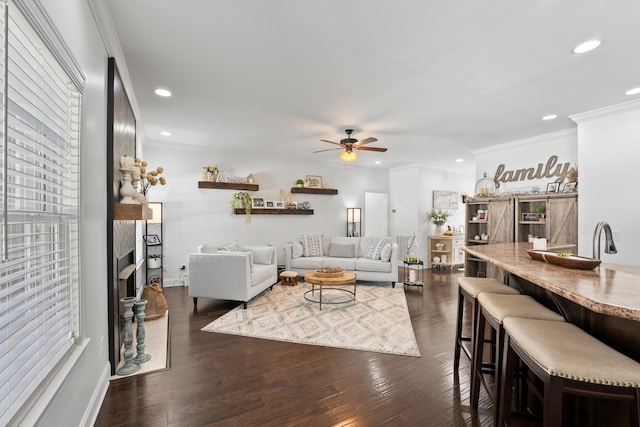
524 154
78 398
609 150
411 199
192 216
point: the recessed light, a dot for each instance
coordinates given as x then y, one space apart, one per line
378 162
165 133
587 46
459 160
549 117
634 91
162 92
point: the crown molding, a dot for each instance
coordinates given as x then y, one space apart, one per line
602 112
527 141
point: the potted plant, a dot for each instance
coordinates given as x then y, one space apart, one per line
241 200
541 210
438 218
299 183
154 261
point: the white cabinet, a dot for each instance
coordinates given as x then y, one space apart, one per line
445 251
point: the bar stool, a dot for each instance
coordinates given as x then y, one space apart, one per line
468 290
567 360
493 309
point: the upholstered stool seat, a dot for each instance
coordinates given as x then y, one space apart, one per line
289 278
468 290
493 309
567 360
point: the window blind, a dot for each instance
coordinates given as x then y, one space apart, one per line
39 270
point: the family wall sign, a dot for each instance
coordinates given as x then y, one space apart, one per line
549 170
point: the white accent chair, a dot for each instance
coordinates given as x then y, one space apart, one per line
215 272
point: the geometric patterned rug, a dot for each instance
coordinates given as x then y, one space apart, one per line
378 320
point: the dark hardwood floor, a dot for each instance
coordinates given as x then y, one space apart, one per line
226 380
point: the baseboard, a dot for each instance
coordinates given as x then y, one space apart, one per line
93 409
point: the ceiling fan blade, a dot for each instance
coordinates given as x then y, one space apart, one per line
328 149
366 141
331 142
382 150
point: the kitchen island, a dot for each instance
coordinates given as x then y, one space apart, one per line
604 301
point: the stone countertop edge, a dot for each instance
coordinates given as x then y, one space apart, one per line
610 289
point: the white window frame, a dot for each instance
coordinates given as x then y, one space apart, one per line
39 207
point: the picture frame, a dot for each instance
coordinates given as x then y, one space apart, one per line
482 216
552 187
279 204
313 181
570 187
151 239
257 203
445 199
270 204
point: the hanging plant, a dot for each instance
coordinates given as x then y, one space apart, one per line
240 200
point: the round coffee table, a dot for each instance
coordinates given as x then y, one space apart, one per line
331 283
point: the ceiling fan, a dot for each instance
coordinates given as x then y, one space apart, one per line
348 144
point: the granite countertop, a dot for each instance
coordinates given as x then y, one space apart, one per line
610 289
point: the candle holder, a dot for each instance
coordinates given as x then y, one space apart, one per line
138 308
129 366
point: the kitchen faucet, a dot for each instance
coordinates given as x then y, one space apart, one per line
610 248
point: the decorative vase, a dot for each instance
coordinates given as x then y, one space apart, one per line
438 230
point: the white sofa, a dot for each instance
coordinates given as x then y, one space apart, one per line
230 272
335 255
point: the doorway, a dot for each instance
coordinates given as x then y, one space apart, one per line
376 214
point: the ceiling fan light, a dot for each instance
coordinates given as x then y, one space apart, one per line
349 156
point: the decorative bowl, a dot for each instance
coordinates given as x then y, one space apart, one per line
570 261
329 272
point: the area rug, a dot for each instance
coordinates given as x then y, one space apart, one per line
378 320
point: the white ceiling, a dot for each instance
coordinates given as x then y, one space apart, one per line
432 80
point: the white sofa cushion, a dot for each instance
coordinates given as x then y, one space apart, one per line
233 247
375 265
342 251
260 273
262 254
308 263
348 264
385 254
210 248
296 250
372 247
312 245
343 240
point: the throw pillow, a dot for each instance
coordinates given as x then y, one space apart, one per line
262 254
233 247
385 254
311 245
341 251
373 247
297 250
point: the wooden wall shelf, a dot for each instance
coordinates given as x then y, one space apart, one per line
240 211
127 212
228 186
314 190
